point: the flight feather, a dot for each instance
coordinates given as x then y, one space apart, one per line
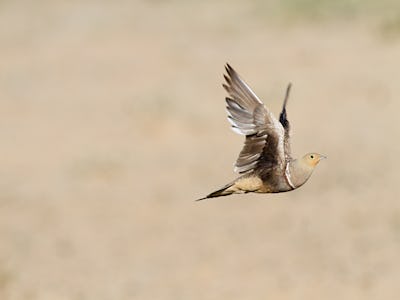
264 143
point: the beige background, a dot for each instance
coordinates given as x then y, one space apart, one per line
112 122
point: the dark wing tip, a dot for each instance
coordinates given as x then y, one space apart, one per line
283 116
231 72
289 87
227 79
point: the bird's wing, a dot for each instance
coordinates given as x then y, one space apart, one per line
264 144
286 125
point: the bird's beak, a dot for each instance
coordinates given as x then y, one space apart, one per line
323 157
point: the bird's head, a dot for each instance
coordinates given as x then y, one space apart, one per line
312 159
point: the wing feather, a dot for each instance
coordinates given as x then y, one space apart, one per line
264 143
286 125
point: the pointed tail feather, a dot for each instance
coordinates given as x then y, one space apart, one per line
225 191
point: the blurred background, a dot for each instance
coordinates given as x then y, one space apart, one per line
112 121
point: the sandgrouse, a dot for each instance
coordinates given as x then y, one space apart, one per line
265 163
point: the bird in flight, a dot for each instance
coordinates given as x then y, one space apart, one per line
265 164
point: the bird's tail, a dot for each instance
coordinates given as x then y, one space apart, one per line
224 191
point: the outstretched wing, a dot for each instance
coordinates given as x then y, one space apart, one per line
286 125
264 144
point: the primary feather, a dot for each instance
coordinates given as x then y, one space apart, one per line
249 116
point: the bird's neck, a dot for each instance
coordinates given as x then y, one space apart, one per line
299 172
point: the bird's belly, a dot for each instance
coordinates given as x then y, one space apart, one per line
251 184
254 183
277 187
282 185
274 181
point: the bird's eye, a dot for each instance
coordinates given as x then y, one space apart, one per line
312 156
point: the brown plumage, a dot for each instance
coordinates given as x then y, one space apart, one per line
265 162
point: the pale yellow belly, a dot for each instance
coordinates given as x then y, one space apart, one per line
250 184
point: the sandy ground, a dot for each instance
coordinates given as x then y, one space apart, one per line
112 122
